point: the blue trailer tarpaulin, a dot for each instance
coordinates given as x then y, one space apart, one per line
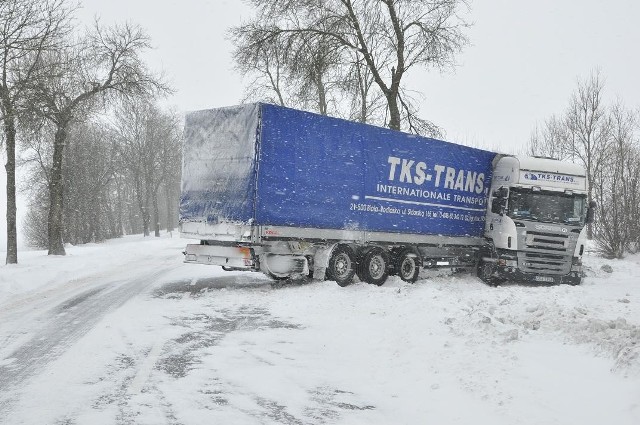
295 168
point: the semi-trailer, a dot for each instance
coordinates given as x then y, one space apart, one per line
289 193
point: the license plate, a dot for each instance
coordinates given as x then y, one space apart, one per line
544 279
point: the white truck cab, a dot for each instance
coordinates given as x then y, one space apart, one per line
536 221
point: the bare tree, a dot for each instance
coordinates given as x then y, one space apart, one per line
27 29
135 156
390 36
89 168
589 130
605 140
552 139
149 142
165 139
298 72
409 115
36 159
618 186
105 62
315 74
171 165
366 103
105 177
265 63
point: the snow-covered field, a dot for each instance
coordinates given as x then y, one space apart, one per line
124 333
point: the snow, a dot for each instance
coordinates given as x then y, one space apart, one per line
124 332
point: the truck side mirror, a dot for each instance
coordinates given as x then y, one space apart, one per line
499 202
496 206
591 212
502 192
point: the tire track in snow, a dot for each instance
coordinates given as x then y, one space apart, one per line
144 371
69 321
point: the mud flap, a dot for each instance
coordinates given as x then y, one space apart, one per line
321 262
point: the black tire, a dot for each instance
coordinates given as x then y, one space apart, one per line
342 265
575 282
374 267
486 271
277 277
408 265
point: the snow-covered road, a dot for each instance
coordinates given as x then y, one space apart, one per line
61 323
124 333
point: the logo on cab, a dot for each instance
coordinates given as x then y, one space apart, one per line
551 228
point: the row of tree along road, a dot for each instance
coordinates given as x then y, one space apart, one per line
81 105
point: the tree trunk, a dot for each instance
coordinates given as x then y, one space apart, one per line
56 246
394 110
156 214
146 215
120 230
144 212
133 209
111 218
10 166
167 191
323 108
96 214
362 92
143 205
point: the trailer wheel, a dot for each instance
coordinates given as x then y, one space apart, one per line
341 265
408 265
374 268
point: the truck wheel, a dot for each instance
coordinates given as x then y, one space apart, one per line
408 265
341 265
374 267
485 273
576 281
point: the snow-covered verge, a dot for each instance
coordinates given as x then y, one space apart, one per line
200 345
37 271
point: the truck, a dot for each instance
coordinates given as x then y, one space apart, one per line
536 221
291 193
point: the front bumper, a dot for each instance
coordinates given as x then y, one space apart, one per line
507 268
573 278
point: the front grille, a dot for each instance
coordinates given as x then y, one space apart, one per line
551 235
534 262
545 253
547 241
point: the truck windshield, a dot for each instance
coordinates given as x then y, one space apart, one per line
550 207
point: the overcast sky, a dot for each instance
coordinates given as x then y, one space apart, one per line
522 66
